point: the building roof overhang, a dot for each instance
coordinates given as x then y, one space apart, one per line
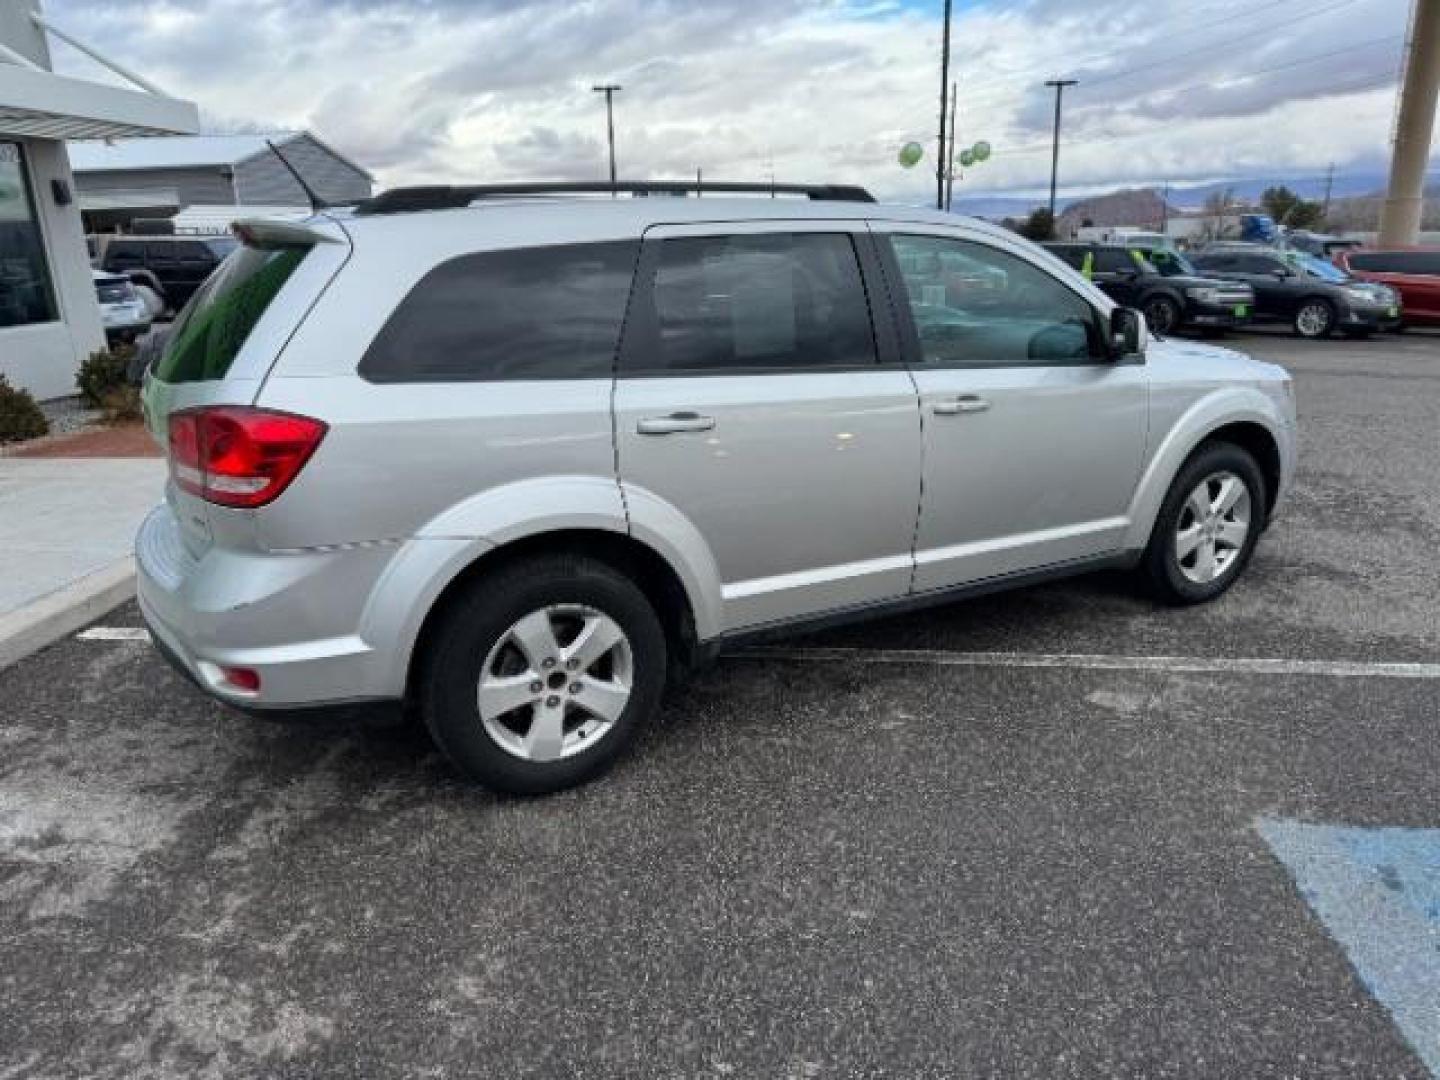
40 104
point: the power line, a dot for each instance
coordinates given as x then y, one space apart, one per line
1208 47
1369 82
1209 84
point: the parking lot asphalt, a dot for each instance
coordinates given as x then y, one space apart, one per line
867 853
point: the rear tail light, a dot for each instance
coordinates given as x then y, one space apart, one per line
234 455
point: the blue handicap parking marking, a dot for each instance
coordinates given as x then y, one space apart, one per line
1378 893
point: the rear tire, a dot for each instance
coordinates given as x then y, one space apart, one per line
1207 527
1162 315
541 673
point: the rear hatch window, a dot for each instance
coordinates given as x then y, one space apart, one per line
208 334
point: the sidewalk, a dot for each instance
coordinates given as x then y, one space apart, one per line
67 524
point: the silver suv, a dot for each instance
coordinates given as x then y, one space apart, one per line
516 456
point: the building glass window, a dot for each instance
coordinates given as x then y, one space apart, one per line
25 292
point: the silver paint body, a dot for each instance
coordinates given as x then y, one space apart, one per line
812 493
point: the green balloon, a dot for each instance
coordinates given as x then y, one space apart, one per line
910 154
981 150
967 158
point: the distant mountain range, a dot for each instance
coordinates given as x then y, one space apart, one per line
1183 196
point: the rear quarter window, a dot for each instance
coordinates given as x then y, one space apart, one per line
209 332
526 313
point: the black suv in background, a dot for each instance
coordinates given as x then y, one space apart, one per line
1315 297
1171 298
174 266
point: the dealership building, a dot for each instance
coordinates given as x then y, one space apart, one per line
49 318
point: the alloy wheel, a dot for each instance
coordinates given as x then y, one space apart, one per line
1213 527
1313 320
556 682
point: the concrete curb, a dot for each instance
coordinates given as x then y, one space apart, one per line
50 618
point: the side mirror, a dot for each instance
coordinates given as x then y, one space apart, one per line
1281 274
1126 335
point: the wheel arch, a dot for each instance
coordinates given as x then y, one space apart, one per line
642 564
1244 416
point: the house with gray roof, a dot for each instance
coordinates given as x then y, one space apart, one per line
120 180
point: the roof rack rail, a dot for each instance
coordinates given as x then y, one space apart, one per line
447 197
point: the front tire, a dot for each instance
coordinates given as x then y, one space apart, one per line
1208 526
541 673
1315 318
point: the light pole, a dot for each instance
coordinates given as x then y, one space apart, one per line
1059 85
608 89
940 158
1415 117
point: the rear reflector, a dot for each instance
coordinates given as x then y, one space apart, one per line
235 455
242 678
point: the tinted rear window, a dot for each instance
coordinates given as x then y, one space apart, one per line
528 313
219 317
719 304
1397 262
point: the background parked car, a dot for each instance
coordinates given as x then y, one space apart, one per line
122 311
1321 245
1315 297
1412 272
1171 300
173 266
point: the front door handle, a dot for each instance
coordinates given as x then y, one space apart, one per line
677 421
966 403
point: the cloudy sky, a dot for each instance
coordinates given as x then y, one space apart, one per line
486 90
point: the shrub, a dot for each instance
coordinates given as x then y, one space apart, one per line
104 371
122 404
20 417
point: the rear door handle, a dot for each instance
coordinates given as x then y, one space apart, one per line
677 421
966 403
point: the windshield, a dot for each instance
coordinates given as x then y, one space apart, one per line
1172 263
1309 264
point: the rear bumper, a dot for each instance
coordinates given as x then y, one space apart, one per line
293 618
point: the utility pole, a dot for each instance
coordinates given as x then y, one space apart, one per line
1164 207
1405 199
699 180
1059 85
940 158
608 89
950 168
1329 187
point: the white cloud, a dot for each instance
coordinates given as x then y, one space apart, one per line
434 91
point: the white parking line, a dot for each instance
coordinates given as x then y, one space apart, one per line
114 633
1097 662
1212 665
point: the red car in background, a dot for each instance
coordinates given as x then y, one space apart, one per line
1413 272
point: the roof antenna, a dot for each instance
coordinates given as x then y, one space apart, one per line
316 203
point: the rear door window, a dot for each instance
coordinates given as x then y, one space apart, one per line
1113 261
208 334
764 301
527 313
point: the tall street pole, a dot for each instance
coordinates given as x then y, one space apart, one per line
1400 217
950 166
940 158
1059 85
608 90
